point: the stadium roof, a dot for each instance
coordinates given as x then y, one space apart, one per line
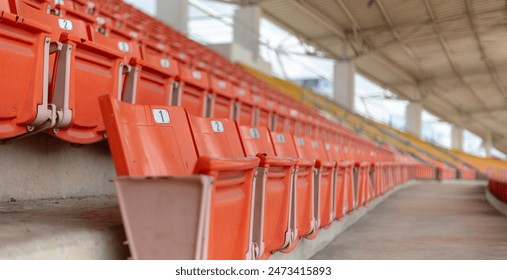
449 55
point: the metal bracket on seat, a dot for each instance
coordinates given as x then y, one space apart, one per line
35 129
130 90
62 85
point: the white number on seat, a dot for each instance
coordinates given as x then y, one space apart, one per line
196 75
280 138
101 21
124 47
134 35
161 116
65 24
165 63
315 144
300 141
254 132
217 126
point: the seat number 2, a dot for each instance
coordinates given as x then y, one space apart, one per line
65 24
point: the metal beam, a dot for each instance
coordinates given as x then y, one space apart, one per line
448 54
398 38
487 110
318 16
491 68
331 54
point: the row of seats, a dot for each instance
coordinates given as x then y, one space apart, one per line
268 189
82 50
497 184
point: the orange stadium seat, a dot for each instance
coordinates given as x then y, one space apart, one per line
245 109
323 181
302 194
216 139
26 45
152 79
193 94
217 220
271 231
222 94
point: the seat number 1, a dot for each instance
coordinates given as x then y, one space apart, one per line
161 116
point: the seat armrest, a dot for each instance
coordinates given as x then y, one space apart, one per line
266 161
206 165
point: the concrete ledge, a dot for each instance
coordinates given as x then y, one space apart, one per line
496 203
42 167
307 248
464 182
80 228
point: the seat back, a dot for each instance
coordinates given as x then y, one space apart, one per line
148 140
256 140
305 148
244 107
24 68
193 94
222 97
272 201
218 139
5 6
38 11
284 145
152 79
95 70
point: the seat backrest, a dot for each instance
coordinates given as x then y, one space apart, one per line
193 92
256 140
283 144
223 97
155 82
334 151
148 140
319 149
37 11
305 148
216 138
24 86
127 46
4 6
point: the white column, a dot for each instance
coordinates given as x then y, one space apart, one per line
246 28
174 13
344 83
413 118
457 138
488 144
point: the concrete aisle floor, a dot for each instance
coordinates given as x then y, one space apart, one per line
426 221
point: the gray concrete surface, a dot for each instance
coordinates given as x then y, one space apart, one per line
41 166
307 248
426 221
499 205
76 228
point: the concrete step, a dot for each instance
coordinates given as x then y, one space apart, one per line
42 166
72 228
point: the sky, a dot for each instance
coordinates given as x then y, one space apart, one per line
286 54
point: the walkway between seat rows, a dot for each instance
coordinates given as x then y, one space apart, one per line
426 221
